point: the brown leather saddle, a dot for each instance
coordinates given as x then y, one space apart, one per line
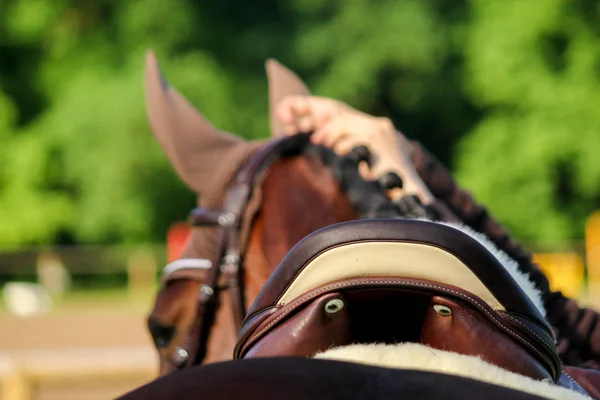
394 281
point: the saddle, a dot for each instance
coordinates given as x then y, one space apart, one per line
391 281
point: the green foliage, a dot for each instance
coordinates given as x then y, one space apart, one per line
533 157
512 84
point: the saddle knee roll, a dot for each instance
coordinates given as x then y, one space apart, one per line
451 326
311 328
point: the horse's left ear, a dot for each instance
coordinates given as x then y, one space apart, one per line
194 146
282 83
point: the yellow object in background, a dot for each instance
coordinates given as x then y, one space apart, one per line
592 246
565 271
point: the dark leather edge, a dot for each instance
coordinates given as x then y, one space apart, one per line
529 327
192 274
483 264
251 323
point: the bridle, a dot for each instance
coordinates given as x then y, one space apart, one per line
224 269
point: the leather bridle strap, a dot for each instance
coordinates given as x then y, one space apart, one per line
227 257
185 268
196 340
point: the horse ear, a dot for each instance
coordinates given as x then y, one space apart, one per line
192 144
282 82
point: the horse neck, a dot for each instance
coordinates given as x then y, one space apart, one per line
299 196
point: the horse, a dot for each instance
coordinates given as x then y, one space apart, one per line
389 308
257 199
244 204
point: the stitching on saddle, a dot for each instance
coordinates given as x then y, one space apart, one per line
575 382
529 329
339 285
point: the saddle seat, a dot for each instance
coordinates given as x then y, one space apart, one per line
390 281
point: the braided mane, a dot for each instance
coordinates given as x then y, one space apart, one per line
368 197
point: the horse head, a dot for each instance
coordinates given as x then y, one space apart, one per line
297 196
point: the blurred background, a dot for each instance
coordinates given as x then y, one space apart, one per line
504 92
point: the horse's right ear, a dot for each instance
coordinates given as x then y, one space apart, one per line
194 146
282 82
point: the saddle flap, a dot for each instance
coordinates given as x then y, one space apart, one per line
386 275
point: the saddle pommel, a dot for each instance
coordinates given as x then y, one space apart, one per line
394 281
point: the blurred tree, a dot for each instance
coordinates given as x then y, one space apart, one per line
78 163
533 157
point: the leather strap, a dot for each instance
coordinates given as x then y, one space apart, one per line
227 258
207 298
186 268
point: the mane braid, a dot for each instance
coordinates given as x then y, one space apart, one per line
367 197
370 201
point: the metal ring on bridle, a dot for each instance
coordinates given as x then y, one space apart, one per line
231 259
206 290
226 220
180 355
